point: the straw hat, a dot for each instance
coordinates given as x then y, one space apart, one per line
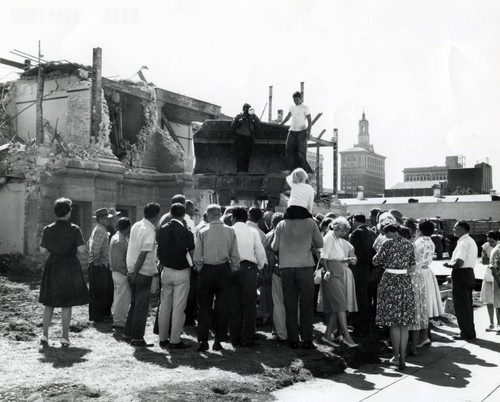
102 213
113 212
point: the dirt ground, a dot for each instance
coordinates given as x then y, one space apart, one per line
99 366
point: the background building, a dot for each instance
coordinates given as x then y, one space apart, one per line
361 166
476 180
453 178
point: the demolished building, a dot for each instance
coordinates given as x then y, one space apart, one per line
104 143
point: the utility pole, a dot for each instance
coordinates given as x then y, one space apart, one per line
302 90
318 175
270 115
39 98
335 141
96 101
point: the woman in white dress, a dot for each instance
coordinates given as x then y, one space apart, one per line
490 292
409 232
426 248
339 295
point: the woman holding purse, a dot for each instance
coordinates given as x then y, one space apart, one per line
336 254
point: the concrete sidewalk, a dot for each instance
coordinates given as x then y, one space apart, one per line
445 371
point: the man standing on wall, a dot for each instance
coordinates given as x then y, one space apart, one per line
245 125
463 261
298 135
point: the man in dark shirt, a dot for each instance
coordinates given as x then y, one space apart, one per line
245 125
362 239
175 242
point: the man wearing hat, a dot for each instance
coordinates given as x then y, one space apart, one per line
245 125
101 281
113 221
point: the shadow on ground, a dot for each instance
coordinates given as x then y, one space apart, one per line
63 357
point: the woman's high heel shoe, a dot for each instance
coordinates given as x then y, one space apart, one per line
65 343
349 344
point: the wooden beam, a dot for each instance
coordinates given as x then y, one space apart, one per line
12 63
124 88
321 134
316 118
96 101
321 142
170 129
187 102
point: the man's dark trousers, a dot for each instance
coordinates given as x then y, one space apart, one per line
296 150
463 281
298 285
213 280
360 319
137 316
243 311
101 292
243 152
191 310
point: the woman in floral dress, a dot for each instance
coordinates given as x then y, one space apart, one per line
396 302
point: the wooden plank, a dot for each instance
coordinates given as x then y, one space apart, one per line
170 129
316 118
320 142
12 63
96 100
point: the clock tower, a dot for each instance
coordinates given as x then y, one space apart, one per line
364 135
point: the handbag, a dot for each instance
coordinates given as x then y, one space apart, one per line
488 276
317 275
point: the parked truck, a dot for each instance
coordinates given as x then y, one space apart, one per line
478 230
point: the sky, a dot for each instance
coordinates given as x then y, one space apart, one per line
426 73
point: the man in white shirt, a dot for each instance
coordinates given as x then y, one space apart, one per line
244 282
141 266
463 261
298 135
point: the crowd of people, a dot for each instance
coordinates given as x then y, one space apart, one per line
360 273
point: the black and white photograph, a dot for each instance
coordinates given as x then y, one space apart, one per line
232 200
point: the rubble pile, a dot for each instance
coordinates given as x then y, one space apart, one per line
149 130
